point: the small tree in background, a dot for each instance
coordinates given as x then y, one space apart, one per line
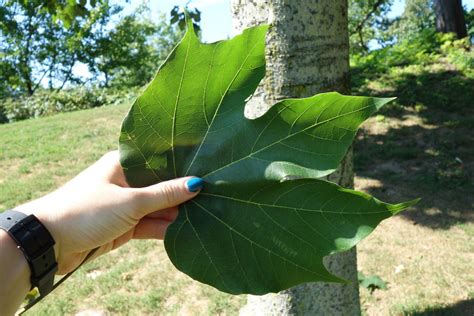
40 50
36 45
129 53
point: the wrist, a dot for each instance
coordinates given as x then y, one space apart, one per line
36 244
14 276
45 219
15 258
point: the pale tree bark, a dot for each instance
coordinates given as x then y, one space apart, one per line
450 17
307 52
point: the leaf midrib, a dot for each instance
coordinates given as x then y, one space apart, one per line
286 207
178 95
218 108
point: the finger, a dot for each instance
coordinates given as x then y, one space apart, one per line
114 174
106 169
166 194
114 244
168 214
150 228
122 240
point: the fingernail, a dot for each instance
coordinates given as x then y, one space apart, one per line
194 184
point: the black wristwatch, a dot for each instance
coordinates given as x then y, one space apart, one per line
37 245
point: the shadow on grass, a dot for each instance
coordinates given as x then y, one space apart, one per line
460 308
435 89
423 146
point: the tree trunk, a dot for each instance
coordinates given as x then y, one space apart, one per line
307 52
25 56
450 17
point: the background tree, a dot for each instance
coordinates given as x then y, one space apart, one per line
366 20
129 53
39 50
34 46
307 53
450 17
21 44
417 18
65 10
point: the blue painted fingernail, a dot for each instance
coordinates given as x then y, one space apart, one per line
195 184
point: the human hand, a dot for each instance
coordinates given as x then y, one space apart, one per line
98 209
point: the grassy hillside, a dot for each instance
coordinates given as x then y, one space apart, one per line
39 155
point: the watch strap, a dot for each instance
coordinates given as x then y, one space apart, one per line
36 243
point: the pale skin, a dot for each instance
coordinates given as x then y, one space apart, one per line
95 209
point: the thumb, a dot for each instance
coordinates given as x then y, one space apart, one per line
167 194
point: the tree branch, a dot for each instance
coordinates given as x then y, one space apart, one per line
360 26
41 79
68 75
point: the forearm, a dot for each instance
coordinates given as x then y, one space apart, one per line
14 275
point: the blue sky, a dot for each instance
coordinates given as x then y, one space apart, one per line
216 19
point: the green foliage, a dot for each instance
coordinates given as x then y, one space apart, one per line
371 282
264 221
178 16
408 52
118 50
469 16
428 47
65 10
418 16
367 21
458 52
126 54
45 102
35 47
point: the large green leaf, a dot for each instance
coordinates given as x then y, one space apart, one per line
252 229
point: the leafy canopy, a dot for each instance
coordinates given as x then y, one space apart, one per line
264 220
39 50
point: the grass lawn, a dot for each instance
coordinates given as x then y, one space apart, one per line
426 254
